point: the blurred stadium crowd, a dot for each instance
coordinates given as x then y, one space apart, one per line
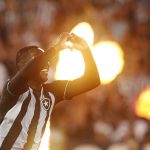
103 117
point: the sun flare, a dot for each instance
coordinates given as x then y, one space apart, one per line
142 105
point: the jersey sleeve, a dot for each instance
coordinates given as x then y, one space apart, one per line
66 90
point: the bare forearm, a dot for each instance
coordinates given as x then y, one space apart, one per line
91 71
88 81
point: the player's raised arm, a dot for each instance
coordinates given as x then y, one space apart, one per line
91 78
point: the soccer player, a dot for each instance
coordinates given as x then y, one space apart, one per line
27 101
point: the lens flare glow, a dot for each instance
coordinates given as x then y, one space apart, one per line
108 56
70 65
85 31
142 105
45 139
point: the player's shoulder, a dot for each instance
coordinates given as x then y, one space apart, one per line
56 84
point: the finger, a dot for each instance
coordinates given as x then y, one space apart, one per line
73 39
64 36
68 47
74 36
76 39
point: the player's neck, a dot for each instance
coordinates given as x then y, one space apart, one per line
35 85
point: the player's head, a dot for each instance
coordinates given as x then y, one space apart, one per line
25 54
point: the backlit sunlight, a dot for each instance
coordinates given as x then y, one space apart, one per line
142 105
71 64
108 56
45 139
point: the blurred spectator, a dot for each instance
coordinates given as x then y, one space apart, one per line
3 70
87 147
146 146
3 76
119 146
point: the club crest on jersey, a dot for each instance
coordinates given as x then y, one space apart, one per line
46 103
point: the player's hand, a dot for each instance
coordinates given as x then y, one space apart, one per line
78 42
61 41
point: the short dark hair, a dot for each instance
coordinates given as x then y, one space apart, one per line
25 52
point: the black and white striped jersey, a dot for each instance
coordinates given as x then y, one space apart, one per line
23 118
23 125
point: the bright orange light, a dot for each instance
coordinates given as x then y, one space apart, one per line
71 64
142 105
85 31
45 139
108 56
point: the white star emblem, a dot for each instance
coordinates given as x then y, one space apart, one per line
46 103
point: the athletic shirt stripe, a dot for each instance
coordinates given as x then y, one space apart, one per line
52 101
10 117
21 140
49 112
34 124
42 121
26 127
13 133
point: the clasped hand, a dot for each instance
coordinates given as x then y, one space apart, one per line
77 42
